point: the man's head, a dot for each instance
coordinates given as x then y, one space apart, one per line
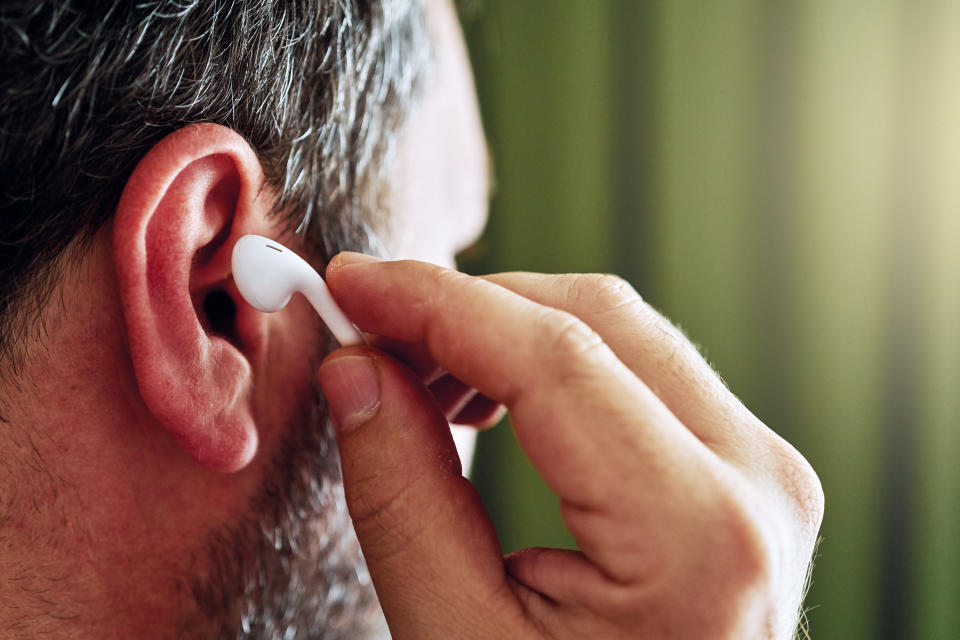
168 466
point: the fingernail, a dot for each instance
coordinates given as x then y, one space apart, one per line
350 257
351 385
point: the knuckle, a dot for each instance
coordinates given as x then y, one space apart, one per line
368 508
614 291
743 548
446 277
385 524
602 292
446 281
754 554
566 338
802 487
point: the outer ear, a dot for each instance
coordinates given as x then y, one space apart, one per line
185 205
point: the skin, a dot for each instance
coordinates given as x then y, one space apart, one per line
134 429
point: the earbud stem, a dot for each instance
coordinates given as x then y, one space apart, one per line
343 330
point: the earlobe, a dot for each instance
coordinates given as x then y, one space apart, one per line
184 206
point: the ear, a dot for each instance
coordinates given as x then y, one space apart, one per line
183 208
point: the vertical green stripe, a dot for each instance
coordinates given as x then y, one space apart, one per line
845 143
702 229
551 133
935 123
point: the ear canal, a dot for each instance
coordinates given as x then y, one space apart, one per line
219 312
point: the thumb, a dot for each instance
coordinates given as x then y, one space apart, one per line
429 545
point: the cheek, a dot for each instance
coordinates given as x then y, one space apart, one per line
285 379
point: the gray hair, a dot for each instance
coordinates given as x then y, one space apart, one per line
317 87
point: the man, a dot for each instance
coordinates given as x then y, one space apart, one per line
169 469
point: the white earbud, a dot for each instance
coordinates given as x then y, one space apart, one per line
268 274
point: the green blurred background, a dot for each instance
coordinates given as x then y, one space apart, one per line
782 179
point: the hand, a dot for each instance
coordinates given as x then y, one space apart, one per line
692 519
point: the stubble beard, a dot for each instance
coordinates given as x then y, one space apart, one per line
292 569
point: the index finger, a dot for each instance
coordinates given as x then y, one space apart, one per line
578 411
654 349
